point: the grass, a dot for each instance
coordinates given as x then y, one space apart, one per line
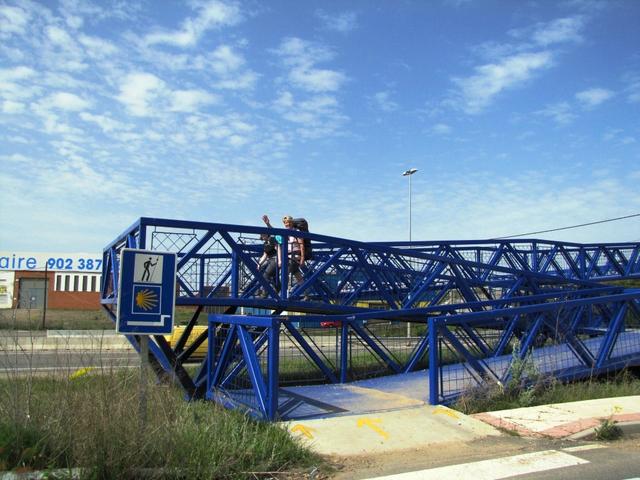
92 422
31 319
528 388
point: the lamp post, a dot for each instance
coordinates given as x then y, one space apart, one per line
409 173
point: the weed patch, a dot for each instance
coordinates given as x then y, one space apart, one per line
92 422
608 430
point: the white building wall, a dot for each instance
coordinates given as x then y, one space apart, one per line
6 289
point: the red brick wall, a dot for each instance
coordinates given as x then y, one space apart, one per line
61 300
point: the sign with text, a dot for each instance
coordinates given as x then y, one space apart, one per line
52 261
147 292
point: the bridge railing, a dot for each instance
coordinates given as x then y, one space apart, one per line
564 339
362 285
218 266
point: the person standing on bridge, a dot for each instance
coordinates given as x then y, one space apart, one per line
268 262
295 248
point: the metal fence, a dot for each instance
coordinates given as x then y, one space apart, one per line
366 310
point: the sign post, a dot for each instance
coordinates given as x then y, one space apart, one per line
146 303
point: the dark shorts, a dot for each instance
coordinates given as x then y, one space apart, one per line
294 264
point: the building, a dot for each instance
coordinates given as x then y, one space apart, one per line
57 280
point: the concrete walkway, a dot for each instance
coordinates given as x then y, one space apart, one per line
389 431
428 425
566 420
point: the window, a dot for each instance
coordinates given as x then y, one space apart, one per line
65 282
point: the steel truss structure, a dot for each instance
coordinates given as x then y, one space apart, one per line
467 303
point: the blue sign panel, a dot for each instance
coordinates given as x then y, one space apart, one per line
147 292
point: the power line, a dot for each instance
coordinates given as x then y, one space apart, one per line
572 226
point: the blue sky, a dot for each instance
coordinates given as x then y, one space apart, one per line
519 116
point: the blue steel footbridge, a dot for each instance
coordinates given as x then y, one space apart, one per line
417 321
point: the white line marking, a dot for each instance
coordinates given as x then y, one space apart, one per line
582 448
496 468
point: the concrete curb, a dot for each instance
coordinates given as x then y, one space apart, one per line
628 428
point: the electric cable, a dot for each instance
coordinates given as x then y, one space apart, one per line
570 227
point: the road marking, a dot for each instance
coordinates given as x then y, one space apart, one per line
304 430
371 423
445 411
496 468
581 448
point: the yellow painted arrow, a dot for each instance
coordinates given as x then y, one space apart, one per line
304 430
372 424
445 411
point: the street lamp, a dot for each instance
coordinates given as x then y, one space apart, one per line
409 173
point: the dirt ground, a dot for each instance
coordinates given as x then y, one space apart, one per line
368 466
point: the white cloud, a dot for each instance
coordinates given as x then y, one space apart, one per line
106 123
14 85
61 51
316 80
383 101
559 31
97 47
441 129
618 136
225 60
632 89
228 65
242 81
560 112
15 158
137 90
342 22
9 106
191 100
479 90
284 100
65 101
60 37
301 56
593 96
74 21
13 20
317 116
16 73
213 14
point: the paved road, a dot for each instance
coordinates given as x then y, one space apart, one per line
546 460
64 361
